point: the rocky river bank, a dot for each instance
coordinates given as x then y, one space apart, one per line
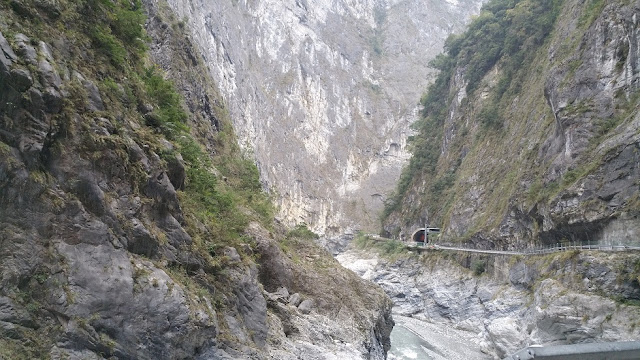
503 304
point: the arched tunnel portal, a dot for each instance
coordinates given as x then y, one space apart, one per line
419 236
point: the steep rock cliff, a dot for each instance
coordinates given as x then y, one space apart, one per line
323 93
537 141
130 227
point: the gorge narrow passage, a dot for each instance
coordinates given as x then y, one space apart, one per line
412 338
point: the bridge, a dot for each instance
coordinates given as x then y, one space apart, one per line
540 250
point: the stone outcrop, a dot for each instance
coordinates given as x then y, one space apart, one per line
323 93
312 313
565 298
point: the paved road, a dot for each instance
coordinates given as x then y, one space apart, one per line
533 251
523 252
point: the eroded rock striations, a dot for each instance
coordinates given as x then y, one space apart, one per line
323 93
510 303
110 244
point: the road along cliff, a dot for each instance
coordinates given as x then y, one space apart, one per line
530 135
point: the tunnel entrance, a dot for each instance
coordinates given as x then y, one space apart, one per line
422 234
419 236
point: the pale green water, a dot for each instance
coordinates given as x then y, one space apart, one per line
407 345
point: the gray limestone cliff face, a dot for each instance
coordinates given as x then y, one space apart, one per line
76 236
323 92
589 105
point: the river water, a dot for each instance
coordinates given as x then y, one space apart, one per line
413 339
407 345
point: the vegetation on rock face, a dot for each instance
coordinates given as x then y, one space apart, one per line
224 192
301 231
121 180
387 248
508 31
495 123
122 120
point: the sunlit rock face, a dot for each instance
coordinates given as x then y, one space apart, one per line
322 93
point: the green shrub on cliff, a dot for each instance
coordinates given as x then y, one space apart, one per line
478 267
117 28
301 231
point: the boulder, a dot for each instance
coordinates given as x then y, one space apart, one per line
34 101
275 269
21 79
283 294
232 254
295 299
10 313
53 100
93 93
25 50
137 154
141 241
48 75
251 304
45 50
91 196
282 312
160 189
306 306
7 56
176 171
176 235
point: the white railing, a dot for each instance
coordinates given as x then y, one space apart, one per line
547 249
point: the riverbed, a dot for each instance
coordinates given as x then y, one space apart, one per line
421 340
413 338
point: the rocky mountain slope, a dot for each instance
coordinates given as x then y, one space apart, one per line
130 226
531 132
322 93
529 136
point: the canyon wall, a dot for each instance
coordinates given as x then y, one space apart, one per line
322 93
531 139
130 226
